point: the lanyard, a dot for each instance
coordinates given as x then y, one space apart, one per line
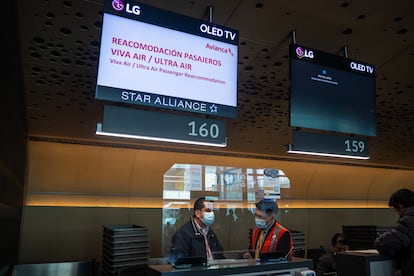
208 250
259 244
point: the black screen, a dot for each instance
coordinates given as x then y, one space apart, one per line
332 93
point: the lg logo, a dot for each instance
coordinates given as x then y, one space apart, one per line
300 52
119 5
135 9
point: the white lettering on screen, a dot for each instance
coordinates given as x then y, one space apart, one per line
204 28
135 9
361 67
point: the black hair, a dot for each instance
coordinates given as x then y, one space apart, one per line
405 197
268 206
199 203
339 237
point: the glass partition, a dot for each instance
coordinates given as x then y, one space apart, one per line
234 192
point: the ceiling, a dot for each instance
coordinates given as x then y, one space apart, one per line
60 47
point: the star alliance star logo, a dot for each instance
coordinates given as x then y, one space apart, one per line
213 108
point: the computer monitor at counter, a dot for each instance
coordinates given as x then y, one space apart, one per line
363 263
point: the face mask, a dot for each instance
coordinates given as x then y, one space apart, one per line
260 223
208 218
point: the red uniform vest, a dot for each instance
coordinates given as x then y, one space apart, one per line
271 240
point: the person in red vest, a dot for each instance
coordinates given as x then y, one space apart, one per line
269 236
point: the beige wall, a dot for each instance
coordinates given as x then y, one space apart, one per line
73 190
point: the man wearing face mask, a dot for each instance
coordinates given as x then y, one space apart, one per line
196 238
269 235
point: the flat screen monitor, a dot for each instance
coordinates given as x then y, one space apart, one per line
332 93
154 57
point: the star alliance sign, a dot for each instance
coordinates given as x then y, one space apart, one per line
167 102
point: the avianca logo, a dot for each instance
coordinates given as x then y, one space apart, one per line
219 49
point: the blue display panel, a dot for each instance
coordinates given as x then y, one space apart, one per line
332 93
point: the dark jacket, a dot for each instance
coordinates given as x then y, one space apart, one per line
398 243
326 263
189 242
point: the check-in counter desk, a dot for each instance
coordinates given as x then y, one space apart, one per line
237 267
363 263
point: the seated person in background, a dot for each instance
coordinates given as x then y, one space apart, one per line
269 236
196 238
327 264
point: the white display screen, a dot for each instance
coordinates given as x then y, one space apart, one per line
153 57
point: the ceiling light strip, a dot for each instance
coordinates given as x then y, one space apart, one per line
121 201
328 154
